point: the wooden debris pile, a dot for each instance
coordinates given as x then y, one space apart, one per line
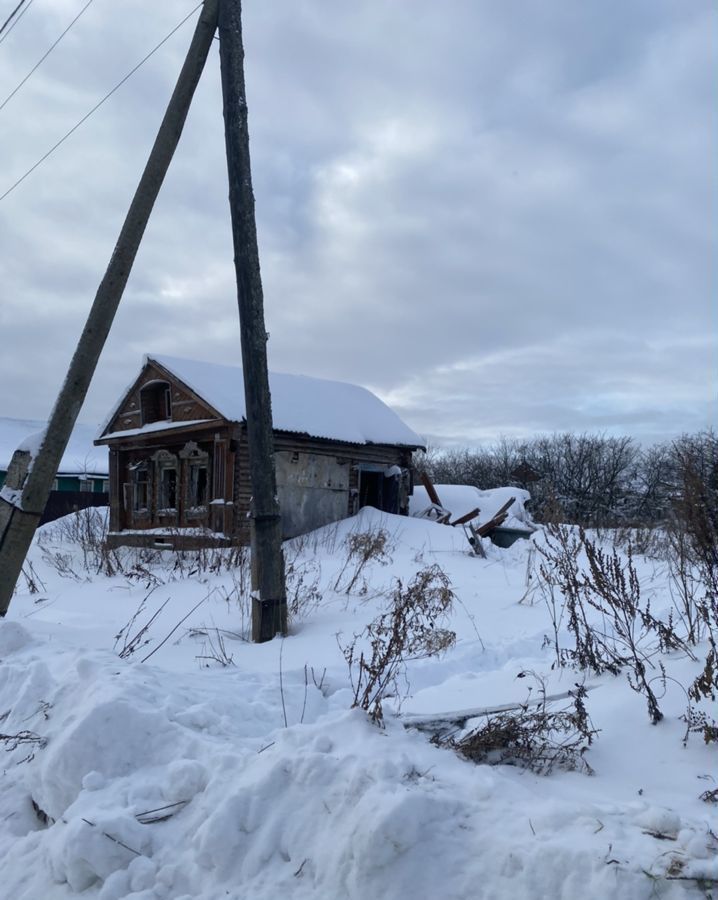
437 512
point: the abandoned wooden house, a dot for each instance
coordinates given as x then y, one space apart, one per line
179 473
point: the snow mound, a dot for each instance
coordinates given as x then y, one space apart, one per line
113 738
180 779
13 637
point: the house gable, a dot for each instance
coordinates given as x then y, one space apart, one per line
156 396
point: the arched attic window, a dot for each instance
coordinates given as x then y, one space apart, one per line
155 402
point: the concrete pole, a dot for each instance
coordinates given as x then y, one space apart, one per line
269 606
23 497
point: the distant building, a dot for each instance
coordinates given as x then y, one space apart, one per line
83 468
179 463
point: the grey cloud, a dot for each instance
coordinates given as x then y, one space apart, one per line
491 214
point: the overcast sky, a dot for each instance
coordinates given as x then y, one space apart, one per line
499 216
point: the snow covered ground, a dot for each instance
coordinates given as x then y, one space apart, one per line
168 774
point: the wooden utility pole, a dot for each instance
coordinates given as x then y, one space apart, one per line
269 605
24 497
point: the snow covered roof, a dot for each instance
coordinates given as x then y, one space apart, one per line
314 406
81 456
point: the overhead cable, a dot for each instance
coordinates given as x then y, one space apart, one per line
15 21
12 16
45 56
99 104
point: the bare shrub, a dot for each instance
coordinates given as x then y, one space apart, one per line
238 598
214 648
626 635
409 629
23 739
684 582
62 563
303 586
135 633
540 739
323 539
705 689
693 532
561 570
86 534
319 685
601 481
86 529
33 581
649 542
140 569
303 577
363 547
13 741
699 722
174 629
206 560
594 476
696 506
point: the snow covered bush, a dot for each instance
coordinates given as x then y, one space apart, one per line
410 628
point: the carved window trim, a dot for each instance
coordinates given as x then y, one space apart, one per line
168 486
140 487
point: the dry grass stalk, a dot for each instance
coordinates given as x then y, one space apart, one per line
409 629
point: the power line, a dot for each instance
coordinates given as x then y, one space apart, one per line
12 16
15 22
43 58
99 104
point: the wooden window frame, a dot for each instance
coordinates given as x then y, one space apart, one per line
195 459
135 469
164 461
159 403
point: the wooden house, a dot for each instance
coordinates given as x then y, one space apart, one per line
179 465
81 479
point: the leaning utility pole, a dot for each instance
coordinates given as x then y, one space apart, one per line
27 489
269 605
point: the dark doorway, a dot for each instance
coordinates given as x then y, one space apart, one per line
378 490
370 489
